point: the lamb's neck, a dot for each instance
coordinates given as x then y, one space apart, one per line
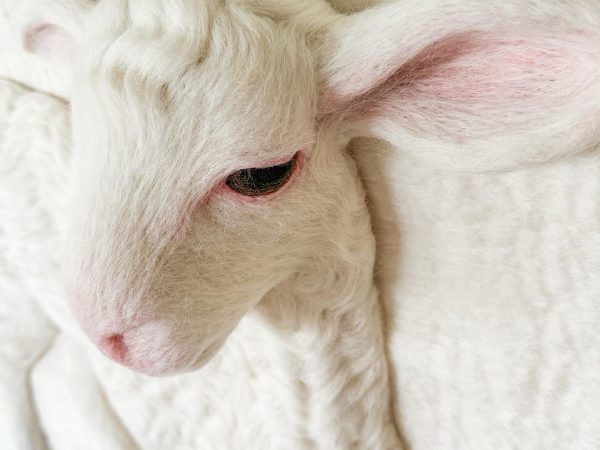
326 341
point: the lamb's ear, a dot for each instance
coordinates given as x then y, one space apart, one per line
50 41
53 31
461 89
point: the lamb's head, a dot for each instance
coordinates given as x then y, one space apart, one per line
199 187
210 145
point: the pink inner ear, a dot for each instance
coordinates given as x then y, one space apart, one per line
50 41
473 83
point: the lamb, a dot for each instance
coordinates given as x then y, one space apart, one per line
202 235
316 336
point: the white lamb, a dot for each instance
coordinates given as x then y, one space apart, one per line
216 217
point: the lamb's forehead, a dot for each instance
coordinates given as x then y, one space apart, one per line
230 71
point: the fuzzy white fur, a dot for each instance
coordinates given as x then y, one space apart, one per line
170 97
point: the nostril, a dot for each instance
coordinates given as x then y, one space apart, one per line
114 346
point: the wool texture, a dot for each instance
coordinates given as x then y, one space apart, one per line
266 311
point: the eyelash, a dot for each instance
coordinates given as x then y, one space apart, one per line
257 182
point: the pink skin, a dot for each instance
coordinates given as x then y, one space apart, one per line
114 347
511 70
50 40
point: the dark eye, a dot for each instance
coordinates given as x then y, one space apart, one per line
256 182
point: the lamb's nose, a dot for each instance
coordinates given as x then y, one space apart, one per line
114 347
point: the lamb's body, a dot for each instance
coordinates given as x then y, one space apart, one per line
492 286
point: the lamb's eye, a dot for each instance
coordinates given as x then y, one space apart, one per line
255 182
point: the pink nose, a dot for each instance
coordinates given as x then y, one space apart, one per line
114 347
144 346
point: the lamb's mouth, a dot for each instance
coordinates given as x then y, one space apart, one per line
167 361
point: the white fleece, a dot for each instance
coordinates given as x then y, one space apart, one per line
487 276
